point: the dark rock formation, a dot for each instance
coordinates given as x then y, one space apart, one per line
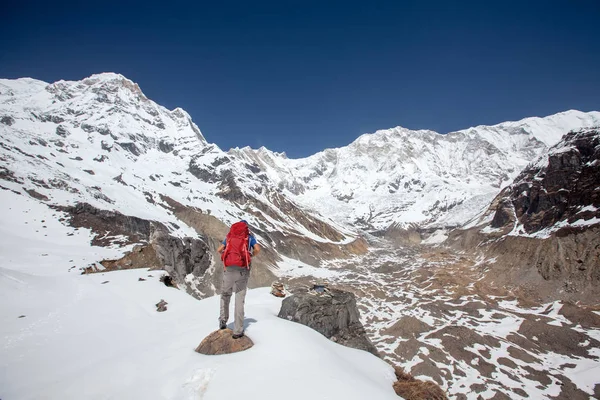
107 224
229 189
165 147
180 257
36 195
7 120
558 267
9 175
332 313
130 147
221 342
557 188
61 130
161 306
106 146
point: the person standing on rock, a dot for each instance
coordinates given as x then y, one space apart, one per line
236 252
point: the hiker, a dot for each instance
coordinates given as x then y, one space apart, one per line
236 252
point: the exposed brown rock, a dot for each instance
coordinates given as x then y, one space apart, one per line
561 340
403 236
456 338
500 396
36 195
520 354
414 389
108 224
556 268
407 327
179 257
140 257
222 342
579 315
568 390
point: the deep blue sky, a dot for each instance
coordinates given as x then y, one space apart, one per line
301 76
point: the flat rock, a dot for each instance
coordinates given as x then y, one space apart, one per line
221 342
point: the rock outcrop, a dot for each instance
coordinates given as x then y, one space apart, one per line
563 186
410 388
109 226
543 237
179 257
332 313
161 306
221 342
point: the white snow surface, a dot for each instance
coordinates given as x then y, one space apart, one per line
83 338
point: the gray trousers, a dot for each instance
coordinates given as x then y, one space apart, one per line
235 279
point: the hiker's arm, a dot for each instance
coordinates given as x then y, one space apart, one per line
221 248
255 250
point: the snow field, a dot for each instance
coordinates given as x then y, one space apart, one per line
99 336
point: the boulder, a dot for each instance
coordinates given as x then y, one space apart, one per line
180 257
331 312
222 342
161 306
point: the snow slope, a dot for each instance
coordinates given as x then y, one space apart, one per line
99 336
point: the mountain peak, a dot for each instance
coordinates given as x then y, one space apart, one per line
108 76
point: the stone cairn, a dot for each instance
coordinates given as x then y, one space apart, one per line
277 289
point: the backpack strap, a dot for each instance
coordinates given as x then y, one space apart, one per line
225 251
247 251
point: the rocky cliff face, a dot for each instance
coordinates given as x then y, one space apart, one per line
561 190
543 235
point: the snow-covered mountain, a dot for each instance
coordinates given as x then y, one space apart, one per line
401 177
101 136
99 155
101 141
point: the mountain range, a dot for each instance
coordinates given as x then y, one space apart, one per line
397 215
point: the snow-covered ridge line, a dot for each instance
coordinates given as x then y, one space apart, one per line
395 177
399 177
101 141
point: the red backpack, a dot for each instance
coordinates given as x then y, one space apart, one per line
236 251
